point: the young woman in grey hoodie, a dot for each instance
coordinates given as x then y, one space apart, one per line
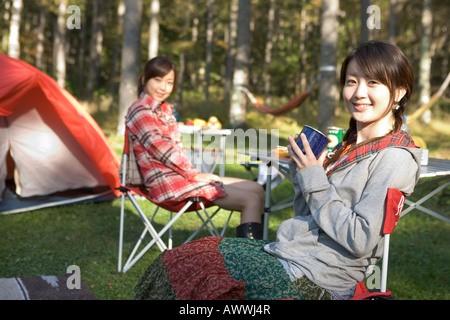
335 236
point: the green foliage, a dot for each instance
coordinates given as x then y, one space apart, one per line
288 70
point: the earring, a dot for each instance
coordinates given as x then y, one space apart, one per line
397 107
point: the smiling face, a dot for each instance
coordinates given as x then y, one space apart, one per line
368 101
160 88
376 81
159 78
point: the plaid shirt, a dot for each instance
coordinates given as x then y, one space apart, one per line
160 155
393 140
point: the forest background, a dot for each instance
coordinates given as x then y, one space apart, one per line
277 49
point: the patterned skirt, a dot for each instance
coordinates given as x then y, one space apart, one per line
222 269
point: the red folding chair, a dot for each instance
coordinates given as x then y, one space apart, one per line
132 186
394 204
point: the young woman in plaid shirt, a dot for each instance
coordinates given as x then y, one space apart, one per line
167 171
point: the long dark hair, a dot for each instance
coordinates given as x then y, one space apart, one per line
157 67
387 64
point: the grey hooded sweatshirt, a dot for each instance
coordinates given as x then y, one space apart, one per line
335 234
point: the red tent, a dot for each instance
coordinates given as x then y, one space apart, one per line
48 140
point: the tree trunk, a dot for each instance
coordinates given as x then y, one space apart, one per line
425 57
209 47
95 50
14 29
117 46
268 52
231 46
328 49
195 23
365 32
183 57
40 38
393 21
60 45
241 72
129 75
81 56
4 28
302 47
153 44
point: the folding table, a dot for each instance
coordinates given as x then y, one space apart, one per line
196 145
440 169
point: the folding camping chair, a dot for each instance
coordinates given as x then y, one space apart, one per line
394 205
133 185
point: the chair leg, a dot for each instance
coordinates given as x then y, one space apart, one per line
133 252
209 218
214 232
170 242
157 237
204 224
148 228
147 223
226 224
384 268
122 211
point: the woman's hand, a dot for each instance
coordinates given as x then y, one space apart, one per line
206 177
304 160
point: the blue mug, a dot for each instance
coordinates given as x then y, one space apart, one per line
317 140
